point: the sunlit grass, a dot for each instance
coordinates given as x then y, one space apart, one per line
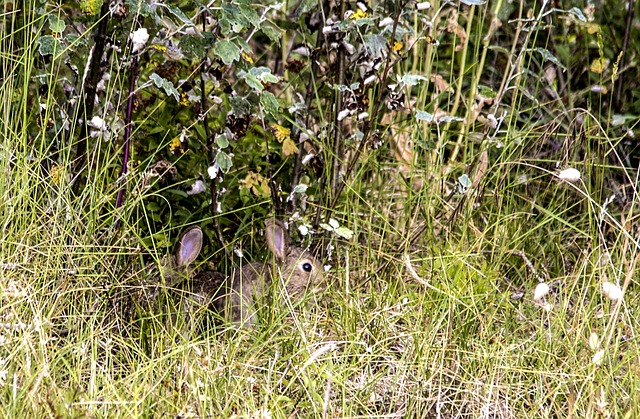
430 311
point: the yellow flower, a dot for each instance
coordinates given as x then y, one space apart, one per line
359 14
246 57
280 132
397 46
184 99
175 144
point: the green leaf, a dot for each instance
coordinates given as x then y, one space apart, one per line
412 79
179 14
193 45
577 13
306 6
273 33
548 56
47 45
224 161
264 74
240 106
424 116
74 40
56 24
165 85
222 141
140 6
250 15
227 51
270 103
377 44
252 81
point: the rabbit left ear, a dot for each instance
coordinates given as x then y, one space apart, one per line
189 246
277 238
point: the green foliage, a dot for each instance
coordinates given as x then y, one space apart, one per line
421 144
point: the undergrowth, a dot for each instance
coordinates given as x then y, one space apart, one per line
469 182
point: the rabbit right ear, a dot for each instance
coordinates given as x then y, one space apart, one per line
277 238
189 246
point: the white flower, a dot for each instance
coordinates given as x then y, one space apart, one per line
423 6
594 341
385 22
306 159
139 39
612 291
197 187
597 357
303 229
541 291
343 114
98 123
213 171
570 175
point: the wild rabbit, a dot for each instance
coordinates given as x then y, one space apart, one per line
171 271
295 269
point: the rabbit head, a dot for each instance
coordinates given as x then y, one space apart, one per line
295 271
298 269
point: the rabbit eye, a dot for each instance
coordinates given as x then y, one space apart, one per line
307 267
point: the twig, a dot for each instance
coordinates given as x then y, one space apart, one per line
89 87
213 188
625 46
127 130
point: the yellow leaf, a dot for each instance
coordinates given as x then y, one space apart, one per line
256 183
598 65
281 132
289 147
593 28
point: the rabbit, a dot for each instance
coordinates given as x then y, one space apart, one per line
234 298
172 270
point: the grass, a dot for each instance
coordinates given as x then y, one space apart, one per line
429 312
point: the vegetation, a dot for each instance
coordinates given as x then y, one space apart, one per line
466 170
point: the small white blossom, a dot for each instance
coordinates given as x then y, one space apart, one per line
570 175
343 114
370 79
594 341
306 159
197 187
98 123
541 291
139 39
612 291
423 5
212 171
385 22
597 357
303 229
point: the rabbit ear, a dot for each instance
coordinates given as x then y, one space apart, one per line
277 238
189 246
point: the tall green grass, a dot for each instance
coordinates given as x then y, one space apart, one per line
430 310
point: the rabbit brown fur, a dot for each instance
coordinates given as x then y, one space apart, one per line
294 268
